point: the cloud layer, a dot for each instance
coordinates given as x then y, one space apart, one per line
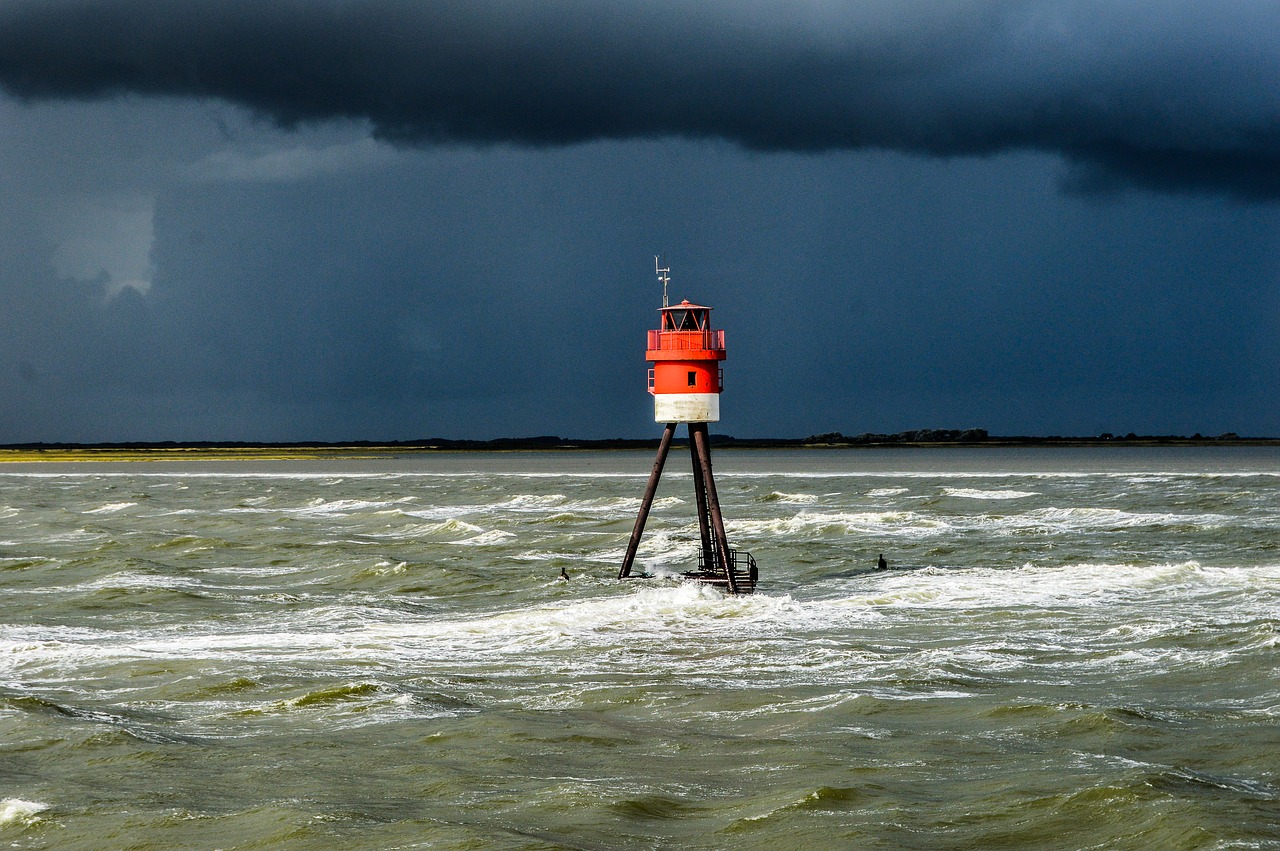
1164 95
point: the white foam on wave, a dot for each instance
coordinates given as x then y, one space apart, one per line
530 502
344 634
1078 585
1091 518
619 504
451 526
661 547
111 508
19 811
560 504
486 539
883 492
340 506
75 536
448 526
442 512
974 493
552 505
999 619
903 523
893 523
791 498
647 614
144 581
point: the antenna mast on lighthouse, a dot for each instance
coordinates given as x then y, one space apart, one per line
664 275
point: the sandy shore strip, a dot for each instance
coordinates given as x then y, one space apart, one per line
197 454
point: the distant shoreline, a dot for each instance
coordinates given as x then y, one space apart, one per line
248 450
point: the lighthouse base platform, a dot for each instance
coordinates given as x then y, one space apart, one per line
745 573
743 565
717 580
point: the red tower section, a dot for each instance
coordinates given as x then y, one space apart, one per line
686 378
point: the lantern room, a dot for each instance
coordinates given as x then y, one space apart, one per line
686 378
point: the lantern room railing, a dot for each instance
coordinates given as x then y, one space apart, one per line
686 340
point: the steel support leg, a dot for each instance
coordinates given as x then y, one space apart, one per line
664 446
698 433
700 491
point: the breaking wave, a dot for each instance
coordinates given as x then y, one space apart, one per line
18 811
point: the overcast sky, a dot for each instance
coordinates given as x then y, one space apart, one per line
391 220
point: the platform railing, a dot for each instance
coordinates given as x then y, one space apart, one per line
741 562
686 340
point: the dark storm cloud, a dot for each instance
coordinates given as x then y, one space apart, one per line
1167 95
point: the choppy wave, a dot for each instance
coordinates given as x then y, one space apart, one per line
18 811
920 524
974 493
641 610
374 649
1088 518
883 492
489 538
789 498
899 523
111 508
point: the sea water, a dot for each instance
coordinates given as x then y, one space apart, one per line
1071 648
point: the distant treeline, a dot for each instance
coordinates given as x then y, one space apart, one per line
980 436
921 437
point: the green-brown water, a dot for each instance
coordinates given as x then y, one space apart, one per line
1075 649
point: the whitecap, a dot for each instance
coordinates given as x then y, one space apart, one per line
974 493
895 523
628 504
111 508
142 581
444 512
883 492
531 502
493 536
662 546
1079 519
790 498
18 811
452 525
340 506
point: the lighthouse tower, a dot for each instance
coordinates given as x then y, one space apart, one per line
686 380
686 377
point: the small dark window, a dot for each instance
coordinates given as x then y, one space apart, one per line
693 379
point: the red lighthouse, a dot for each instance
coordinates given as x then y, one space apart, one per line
685 382
686 377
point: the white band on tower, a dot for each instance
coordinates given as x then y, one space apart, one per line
686 407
